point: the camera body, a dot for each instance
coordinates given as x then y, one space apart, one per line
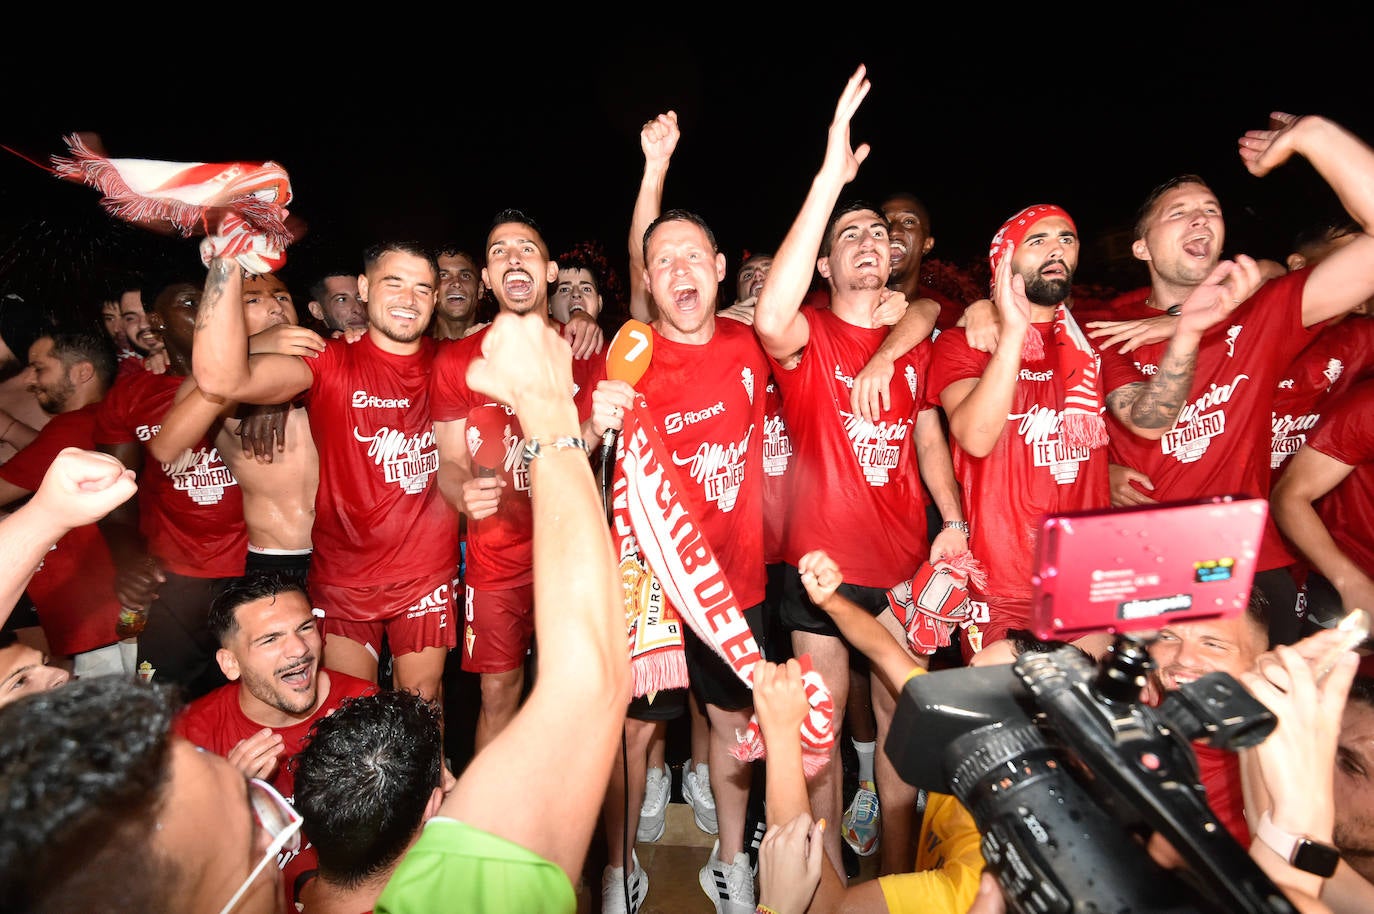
1066 773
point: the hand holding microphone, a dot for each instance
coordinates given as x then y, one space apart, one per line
627 360
488 430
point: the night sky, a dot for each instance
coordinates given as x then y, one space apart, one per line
979 126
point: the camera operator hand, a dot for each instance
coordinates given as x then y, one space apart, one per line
1288 777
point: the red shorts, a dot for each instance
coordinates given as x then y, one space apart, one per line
414 614
498 627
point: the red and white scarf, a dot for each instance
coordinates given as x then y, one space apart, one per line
936 600
239 206
648 509
1081 404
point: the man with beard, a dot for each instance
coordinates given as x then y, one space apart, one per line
73 588
334 303
498 585
278 490
1221 443
145 342
385 542
1025 422
184 535
270 647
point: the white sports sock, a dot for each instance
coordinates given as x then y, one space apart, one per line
865 751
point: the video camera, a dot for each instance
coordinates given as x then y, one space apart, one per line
1063 768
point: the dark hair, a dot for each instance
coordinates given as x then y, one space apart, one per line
73 348
1146 210
376 252
518 216
223 617
363 780
842 209
317 289
1025 641
21 323
453 249
918 205
85 767
591 256
678 215
7 638
1320 234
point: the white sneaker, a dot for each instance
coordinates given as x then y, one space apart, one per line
613 888
730 888
653 814
696 790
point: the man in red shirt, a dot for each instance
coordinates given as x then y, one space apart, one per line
499 609
270 646
184 535
857 480
73 589
385 541
1221 441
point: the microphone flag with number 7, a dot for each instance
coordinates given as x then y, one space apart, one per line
631 349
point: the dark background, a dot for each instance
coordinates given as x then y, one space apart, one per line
402 132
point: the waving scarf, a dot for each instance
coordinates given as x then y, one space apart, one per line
239 206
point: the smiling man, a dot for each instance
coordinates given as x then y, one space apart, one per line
270 646
385 543
1187 651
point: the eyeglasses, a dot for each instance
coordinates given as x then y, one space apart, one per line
280 820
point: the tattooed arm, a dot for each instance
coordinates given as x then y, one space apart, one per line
1149 408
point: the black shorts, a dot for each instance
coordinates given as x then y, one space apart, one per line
668 704
294 566
799 614
714 681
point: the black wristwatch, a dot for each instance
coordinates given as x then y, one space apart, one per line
1300 851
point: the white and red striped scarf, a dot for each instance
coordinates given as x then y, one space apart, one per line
1081 406
648 507
239 206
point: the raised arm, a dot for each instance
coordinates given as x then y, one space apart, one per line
80 488
1149 408
578 607
220 360
778 320
658 138
1346 277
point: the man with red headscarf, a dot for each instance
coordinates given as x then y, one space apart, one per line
1026 422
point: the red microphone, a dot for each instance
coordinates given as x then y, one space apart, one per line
627 360
487 430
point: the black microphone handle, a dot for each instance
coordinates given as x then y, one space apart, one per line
607 459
